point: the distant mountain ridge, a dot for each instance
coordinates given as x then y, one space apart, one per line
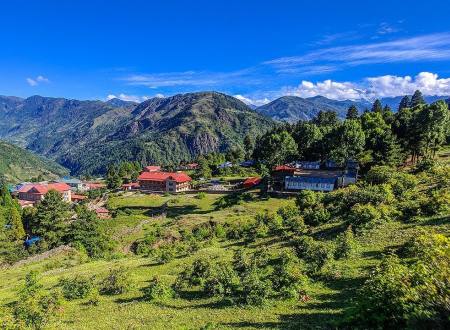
293 108
86 136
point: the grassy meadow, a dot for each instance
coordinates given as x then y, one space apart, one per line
136 214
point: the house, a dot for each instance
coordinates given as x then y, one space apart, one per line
307 165
164 181
225 165
95 185
311 177
77 198
251 182
75 184
152 168
130 186
310 183
36 192
102 213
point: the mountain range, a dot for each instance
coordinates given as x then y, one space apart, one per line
293 108
86 136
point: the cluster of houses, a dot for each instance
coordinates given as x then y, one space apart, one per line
29 193
295 176
316 176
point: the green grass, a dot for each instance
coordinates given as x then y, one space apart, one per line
327 298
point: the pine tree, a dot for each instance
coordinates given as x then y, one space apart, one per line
404 103
388 115
51 219
377 106
15 221
417 99
352 112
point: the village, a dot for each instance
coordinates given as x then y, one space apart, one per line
153 179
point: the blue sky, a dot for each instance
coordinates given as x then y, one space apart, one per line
256 50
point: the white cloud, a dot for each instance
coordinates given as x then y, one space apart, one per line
328 88
373 87
428 83
257 102
125 97
36 81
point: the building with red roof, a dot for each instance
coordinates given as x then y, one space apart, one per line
164 181
251 182
130 186
152 168
36 192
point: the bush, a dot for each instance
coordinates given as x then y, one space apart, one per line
364 216
77 287
316 216
35 306
201 195
291 219
408 294
438 203
118 281
157 290
315 253
346 245
256 289
288 281
165 253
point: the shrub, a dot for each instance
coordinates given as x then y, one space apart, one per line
288 281
201 195
379 174
316 216
93 298
221 280
35 306
438 203
408 294
346 245
256 289
165 253
157 290
77 287
194 274
118 281
364 216
315 253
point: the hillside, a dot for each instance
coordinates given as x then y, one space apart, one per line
294 108
17 165
85 136
192 228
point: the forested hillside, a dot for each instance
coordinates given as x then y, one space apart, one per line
85 136
17 165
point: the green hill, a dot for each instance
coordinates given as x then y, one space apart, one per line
17 165
85 136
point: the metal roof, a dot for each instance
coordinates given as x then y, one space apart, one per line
310 179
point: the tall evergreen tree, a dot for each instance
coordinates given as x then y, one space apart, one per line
50 222
388 115
417 99
17 231
404 103
377 106
352 112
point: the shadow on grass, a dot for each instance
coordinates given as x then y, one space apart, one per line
169 210
437 221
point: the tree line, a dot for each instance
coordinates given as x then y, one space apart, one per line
378 136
